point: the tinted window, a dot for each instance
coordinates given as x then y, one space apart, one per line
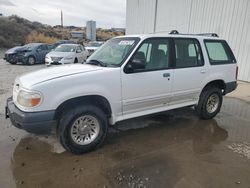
187 53
155 52
219 52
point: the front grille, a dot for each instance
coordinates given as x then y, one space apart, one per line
11 57
56 58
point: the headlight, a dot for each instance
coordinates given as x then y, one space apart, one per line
28 99
68 58
47 57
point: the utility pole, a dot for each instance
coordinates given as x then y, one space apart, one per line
62 23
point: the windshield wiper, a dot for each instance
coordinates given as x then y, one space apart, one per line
96 62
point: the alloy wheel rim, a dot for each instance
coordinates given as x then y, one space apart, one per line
213 103
85 129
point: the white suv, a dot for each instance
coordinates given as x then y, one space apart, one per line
127 77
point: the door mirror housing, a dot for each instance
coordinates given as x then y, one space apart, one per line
78 51
135 64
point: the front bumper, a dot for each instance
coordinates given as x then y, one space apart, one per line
12 58
61 62
33 122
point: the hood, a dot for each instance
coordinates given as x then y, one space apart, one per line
33 78
60 54
15 49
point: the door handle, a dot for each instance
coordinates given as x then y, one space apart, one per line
203 71
166 75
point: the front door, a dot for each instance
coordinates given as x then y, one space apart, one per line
147 88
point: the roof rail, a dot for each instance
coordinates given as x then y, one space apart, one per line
175 32
209 34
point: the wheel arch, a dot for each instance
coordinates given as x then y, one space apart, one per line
95 100
217 83
32 55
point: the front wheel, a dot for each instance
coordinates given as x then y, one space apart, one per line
209 103
31 60
83 129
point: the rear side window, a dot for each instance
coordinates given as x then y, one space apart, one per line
219 52
187 53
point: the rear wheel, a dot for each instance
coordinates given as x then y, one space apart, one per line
209 103
83 129
31 60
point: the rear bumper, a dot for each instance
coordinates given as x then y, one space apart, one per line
230 86
33 122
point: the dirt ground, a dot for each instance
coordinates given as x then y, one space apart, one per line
171 149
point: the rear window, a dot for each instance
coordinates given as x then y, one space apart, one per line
219 52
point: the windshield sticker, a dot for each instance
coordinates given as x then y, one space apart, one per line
126 42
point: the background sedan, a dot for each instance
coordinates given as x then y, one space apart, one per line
28 54
65 54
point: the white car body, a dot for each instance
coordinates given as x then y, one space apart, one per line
129 95
55 57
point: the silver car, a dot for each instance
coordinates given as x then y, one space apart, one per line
66 54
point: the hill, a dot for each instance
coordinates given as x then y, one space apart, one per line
15 30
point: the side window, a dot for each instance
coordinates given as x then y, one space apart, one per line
219 52
155 53
146 50
188 53
43 47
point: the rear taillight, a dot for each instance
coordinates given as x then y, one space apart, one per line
236 73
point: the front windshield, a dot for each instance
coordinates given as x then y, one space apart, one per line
114 51
65 48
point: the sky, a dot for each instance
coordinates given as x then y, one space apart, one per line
106 13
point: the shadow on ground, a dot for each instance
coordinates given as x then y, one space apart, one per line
142 152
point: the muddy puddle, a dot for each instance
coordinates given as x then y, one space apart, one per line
172 149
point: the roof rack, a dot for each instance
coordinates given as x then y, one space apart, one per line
175 32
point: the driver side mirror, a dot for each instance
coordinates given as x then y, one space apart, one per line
136 64
78 51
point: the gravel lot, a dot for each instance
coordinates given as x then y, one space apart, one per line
172 149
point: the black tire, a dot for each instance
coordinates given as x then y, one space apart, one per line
67 120
31 62
202 109
76 60
13 62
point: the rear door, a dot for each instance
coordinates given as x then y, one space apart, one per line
189 71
